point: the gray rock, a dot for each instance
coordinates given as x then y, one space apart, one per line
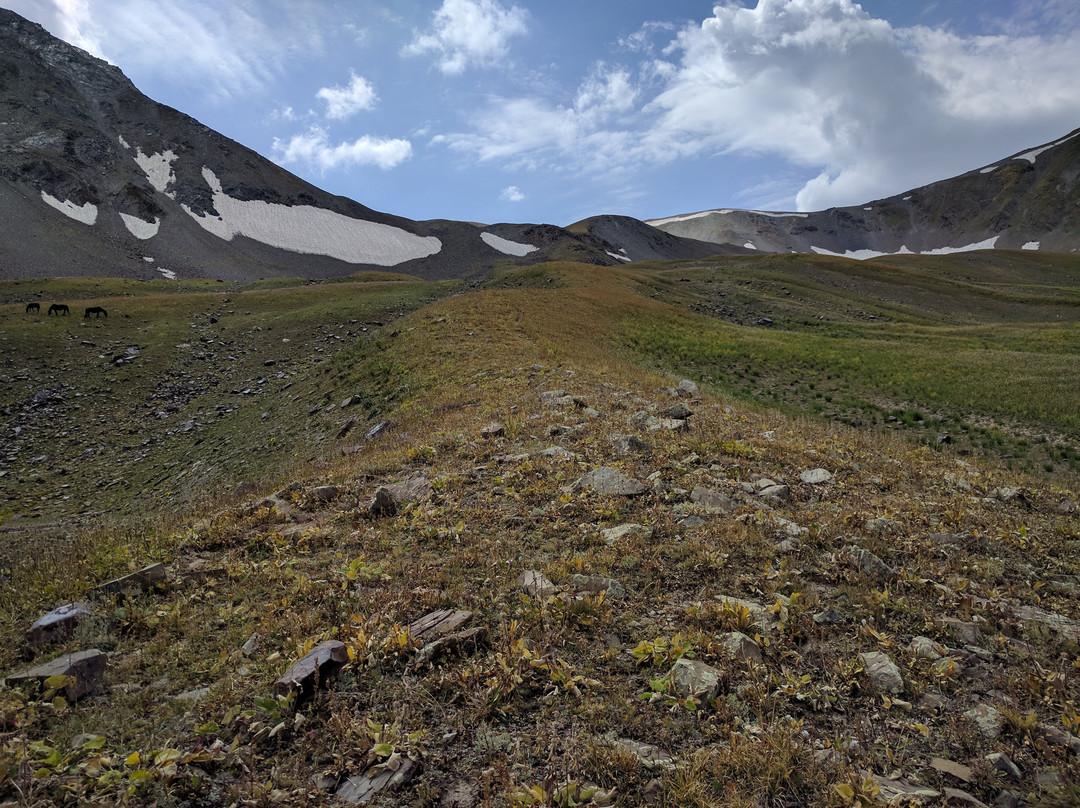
417 489
868 563
131 584
1066 627
775 493
59 623
738 646
384 503
670 424
712 501
816 477
691 677
594 584
85 667
536 585
968 633
558 453
882 525
925 648
493 430
882 672
679 411
1001 762
628 444
461 794
363 788
987 720
438 624
606 480
325 493
613 535
651 757
468 640
688 388
317 666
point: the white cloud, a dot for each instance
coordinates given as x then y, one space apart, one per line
343 102
315 149
512 193
470 32
869 109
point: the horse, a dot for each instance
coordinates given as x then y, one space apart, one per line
97 311
33 307
58 309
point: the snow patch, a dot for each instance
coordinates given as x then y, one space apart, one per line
773 215
140 229
867 208
123 142
906 198
148 259
158 168
982 245
1031 245
168 273
1031 155
87 214
616 256
311 230
858 255
988 169
863 255
510 247
684 218
750 245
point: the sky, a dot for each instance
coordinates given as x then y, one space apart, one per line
556 110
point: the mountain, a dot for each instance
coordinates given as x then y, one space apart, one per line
1030 200
99 180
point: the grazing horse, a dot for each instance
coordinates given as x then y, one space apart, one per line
97 311
58 309
33 307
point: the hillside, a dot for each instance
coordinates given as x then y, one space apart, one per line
1026 201
761 609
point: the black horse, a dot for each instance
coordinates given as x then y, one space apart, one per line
97 311
33 307
58 309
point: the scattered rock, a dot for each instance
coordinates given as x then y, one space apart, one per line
968 633
613 535
882 525
1001 762
882 672
925 648
439 623
252 644
362 788
951 767
651 757
536 585
712 501
325 493
594 584
1066 627
688 388
315 668
606 480
384 503
86 669
677 411
461 794
816 477
776 492
493 430
898 790
987 720
417 489
511 459
468 640
866 562
558 452
627 444
738 646
1066 506
691 677
956 795
131 584
58 624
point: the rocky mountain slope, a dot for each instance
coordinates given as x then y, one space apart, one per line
1030 200
97 179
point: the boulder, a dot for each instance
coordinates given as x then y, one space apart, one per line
606 480
691 677
493 430
738 646
816 477
386 777
712 501
688 388
536 585
594 584
678 411
316 667
417 489
613 535
59 623
626 444
987 720
882 672
384 503
131 584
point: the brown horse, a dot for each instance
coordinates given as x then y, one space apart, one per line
33 307
97 311
58 309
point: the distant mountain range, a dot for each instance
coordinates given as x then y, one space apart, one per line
96 179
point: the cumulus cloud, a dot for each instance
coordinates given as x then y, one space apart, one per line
470 32
512 193
344 102
863 108
314 148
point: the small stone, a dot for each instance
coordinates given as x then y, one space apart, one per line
955 794
651 757
626 444
461 794
536 585
493 430
691 677
325 493
558 453
816 477
316 666
882 672
968 633
866 562
59 623
417 489
85 667
631 531
738 646
712 501
688 388
830 617
362 788
679 411
470 639
951 767
882 525
925 648
127 584
384 503
252 644
594 584
1001 762
775 493
987 720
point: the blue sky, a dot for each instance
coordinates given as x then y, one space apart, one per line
529 111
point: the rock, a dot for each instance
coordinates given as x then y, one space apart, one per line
830 617
131 584
925 648
900 791
956 795
968 633
866 562
1066 627
384 503
626 444
712 501
816 477
362 788
738 646
613 535
594 584
951 767
556 398
536 585
670 424
882 525
1066 506
775 493
325 493
987 720
1056 736
85 667
882 672
1001 762
688 388
252 644
511 459
493 430
59 623
417 489
678 411
469 640
461 794
691 677
558 452
316 667
606 480
346 428
651 757
765 620
1008 799
379 429
439 623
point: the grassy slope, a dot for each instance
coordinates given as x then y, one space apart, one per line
540 706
